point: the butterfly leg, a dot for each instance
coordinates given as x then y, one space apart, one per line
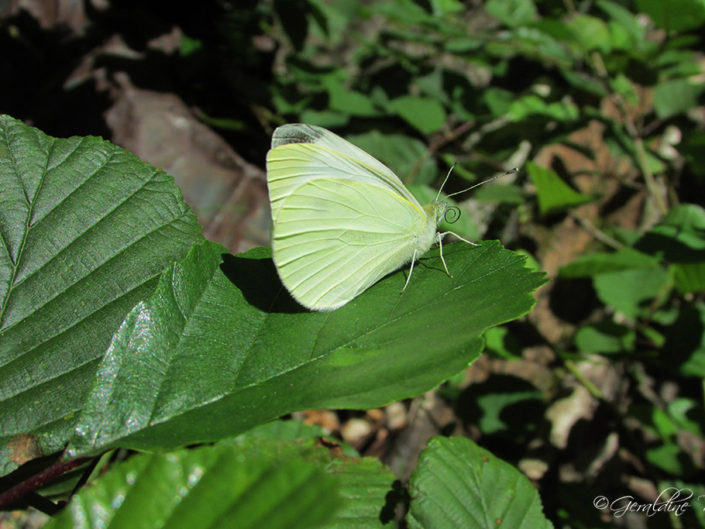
458 236
440 247
413 260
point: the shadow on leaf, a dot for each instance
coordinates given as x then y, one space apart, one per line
257 279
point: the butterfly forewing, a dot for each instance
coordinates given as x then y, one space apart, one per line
306 152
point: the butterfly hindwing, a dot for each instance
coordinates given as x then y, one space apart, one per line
335 237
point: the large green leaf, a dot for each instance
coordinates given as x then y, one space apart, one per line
85 230
220 348
459 484
210 487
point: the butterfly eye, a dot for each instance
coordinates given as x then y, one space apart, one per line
452 214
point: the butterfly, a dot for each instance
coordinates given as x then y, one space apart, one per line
341 219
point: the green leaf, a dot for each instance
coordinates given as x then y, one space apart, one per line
553 194
331 19
676 97
221 347
283 430
292 430
348 101
86 229
685 341
675 15
324 118
209 487
693 149
665 425
405 12
624 19
500 342
189 45
443 7
431 84
459 484
424 114
601 262
620 39
670 458
624 86
679 238
605 337
631 292
498 100
363 483
500 193
687 414
502 406
543 41
493 406
462 45
512 12
533 105
689 277
678 64
365 486
585 82
590 33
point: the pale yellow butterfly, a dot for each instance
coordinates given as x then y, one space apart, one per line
341 219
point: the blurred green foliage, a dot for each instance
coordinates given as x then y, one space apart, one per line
423 84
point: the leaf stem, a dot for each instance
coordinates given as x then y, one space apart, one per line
595 232
38 480
592 388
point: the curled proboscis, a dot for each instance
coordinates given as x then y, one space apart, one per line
452 214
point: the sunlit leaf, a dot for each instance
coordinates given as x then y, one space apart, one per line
86 229
209 487
221 347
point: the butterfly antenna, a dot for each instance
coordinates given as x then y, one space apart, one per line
511 171
445 180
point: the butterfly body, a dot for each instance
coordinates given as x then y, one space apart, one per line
341 219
